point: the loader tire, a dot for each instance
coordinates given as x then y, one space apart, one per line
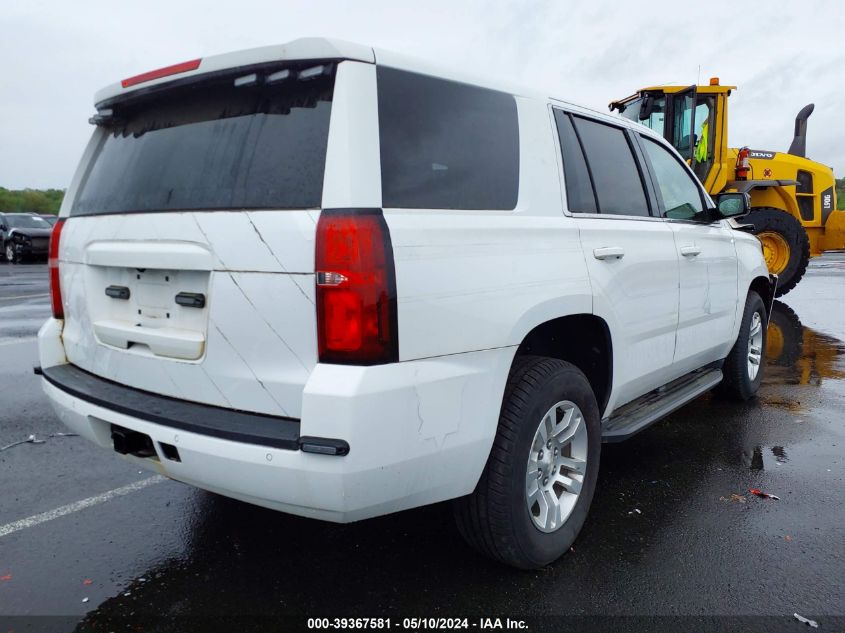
785 245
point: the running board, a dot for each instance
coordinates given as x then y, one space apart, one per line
648 409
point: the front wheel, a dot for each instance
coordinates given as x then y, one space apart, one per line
11 255
743 368
535 491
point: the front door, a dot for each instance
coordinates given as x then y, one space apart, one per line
707 260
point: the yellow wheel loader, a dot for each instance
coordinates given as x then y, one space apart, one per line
793 198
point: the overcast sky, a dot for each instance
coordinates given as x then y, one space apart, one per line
54 54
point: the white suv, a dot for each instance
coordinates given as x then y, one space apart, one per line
329 280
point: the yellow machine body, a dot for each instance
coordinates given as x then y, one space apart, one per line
788 182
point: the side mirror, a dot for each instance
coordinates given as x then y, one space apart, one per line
646 107
733 204
3 227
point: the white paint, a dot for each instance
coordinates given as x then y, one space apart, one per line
76 506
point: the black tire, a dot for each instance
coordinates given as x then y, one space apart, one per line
495 518
785 327
737 384
782 223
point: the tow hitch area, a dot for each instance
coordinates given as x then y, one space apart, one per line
128 442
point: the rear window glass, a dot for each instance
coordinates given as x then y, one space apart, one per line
579 188
213 146
446 145
26 222
616 177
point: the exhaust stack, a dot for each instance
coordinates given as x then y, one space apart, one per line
799 143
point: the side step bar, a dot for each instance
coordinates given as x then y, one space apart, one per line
648 409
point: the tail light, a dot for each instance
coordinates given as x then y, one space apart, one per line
167 71
53 265
356 288
742 164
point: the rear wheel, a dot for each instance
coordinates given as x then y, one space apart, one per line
743 368
786 246
537 486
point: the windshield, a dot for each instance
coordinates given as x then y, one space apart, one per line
655 120
257 145
26 222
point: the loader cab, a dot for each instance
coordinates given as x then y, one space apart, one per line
691 118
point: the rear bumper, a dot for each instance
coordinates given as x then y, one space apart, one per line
418 432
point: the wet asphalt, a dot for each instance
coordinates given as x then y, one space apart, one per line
673 530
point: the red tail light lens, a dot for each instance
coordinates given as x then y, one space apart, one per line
53 265
356 288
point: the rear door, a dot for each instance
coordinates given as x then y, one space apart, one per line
630 254
187 257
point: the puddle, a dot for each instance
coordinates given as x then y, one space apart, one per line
762 456
799 355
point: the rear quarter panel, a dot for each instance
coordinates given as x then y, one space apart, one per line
474 280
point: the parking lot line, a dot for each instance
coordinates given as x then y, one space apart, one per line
47 294
76 506
18 341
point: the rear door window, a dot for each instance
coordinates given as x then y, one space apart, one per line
616 175
213 146
579 189
446 145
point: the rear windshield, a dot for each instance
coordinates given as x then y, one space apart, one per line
215 145
26 222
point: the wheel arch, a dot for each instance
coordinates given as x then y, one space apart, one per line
764 287
775 197
581 339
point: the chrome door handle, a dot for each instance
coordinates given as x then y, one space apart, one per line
609 252
690 251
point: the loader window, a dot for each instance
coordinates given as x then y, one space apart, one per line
656 118
682 131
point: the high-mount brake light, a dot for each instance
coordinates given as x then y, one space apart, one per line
175 69
53 265
356 288
742 164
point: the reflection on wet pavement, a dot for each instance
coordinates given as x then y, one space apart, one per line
799 355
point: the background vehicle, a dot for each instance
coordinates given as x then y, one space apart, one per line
50 219
23 235
332 281
793 198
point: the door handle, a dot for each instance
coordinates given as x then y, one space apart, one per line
609 252
690 251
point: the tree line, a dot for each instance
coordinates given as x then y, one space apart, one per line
31 200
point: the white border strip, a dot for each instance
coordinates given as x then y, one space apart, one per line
56 513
